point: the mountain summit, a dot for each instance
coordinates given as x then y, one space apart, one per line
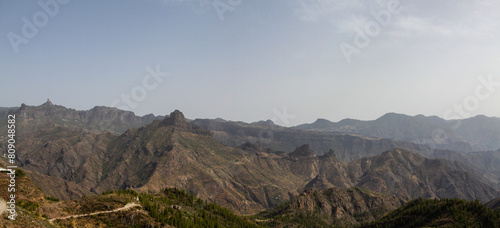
302 151
48 103
176 118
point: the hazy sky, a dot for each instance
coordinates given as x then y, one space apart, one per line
254 60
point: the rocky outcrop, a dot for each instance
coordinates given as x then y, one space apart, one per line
319 182
302 152
177 119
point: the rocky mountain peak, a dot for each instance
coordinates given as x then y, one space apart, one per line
47 105
319 182
176 118
252 147
321 121
330 153
264 123
303 151
48 102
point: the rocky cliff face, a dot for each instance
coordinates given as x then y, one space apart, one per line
177 119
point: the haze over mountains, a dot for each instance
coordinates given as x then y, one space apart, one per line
97 119
232 113
479 133
472 134
247 167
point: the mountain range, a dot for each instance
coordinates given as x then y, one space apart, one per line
248 167
477 133
97 119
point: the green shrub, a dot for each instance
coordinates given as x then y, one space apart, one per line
20 173
54 199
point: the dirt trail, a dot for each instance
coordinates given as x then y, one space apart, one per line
3 206
128 206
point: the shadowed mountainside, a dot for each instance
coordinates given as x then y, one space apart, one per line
484 162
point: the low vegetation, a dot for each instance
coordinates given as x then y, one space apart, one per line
440 213
178 208
173 207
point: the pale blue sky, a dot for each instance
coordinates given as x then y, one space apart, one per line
256 57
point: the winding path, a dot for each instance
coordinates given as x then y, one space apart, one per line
128 206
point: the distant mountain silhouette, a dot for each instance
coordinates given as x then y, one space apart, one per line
97 119
471 134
